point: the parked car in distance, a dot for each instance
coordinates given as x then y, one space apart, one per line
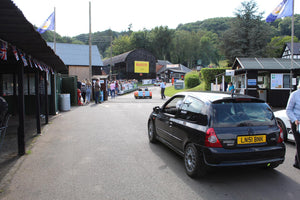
285 124
218 130
140 94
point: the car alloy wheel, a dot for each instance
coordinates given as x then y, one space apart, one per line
151 132
194 163
190 158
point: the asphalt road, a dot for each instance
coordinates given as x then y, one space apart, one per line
102 152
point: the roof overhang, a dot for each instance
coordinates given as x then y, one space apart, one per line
17 31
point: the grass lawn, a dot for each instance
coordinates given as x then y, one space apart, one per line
170 91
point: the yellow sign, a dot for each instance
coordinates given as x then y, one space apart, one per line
141 67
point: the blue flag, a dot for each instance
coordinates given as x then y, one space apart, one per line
284 9
48 24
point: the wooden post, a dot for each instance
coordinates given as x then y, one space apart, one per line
53 95
38 103
46 98
15 110
21 131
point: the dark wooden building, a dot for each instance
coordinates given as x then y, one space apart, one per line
271 79
26 59
137 64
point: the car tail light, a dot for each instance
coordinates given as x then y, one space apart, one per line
280 137
211 139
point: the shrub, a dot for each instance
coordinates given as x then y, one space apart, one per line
192 79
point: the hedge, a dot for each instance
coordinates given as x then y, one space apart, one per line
208 75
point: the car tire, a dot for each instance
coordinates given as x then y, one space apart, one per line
282 126
194 162
151 132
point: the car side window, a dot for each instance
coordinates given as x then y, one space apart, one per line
173 106
192 109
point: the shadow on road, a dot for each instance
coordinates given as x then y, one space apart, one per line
234 182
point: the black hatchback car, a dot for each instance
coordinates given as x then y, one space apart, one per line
218 130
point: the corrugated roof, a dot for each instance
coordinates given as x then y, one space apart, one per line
116 59
266 64
180 69
19 32
163 62
77 54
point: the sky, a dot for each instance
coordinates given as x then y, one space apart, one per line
72 16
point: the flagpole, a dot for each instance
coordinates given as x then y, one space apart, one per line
90 42
292 49
54 37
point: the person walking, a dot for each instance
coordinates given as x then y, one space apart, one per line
162 89
88 91
293 113
97 88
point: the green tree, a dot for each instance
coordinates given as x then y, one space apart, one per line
275 47
248 34
217 25
188 47
140 40
161 39
208 53
285 26
182 47
120 45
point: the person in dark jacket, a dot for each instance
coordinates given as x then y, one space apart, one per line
97 88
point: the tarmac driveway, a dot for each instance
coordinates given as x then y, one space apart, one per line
102 152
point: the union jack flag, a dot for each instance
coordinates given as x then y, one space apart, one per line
38 65
3 51
23 58
34 62
30 63
14 49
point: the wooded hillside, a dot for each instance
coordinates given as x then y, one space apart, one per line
204 42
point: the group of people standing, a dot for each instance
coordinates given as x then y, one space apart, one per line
85 89
113 88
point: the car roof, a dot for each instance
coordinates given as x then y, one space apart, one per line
216 96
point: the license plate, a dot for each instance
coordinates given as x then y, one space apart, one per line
255 139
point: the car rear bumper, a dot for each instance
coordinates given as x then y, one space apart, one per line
220 157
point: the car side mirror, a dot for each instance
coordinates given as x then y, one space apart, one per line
156 109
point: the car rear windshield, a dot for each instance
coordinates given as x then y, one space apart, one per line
238 114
